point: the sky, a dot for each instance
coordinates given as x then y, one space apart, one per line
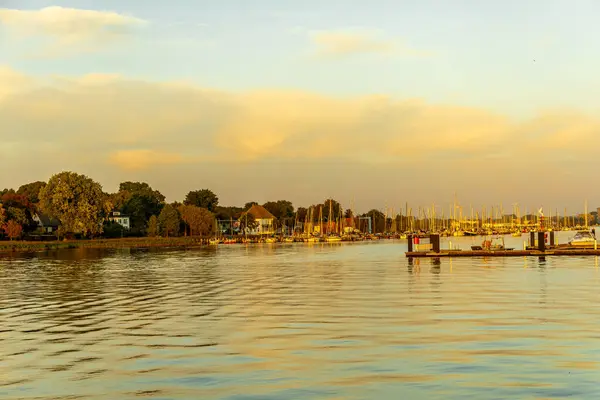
372 103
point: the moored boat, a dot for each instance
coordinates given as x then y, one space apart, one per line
582 239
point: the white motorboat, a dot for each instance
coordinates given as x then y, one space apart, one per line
583 239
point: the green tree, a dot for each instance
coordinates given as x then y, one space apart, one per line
247 222
249 205
169 221
280 209
335 209
76 201
228 212
32 191
377 220
198 220
113 229
153 230
139 201
301 213
204 198
140 188
140 208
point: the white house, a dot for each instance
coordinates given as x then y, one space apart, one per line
45 223
264 219
120 219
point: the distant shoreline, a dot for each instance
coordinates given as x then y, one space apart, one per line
132 243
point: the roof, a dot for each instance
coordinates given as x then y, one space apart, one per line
47 221
259 212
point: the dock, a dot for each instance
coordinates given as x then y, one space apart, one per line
503 253
541 249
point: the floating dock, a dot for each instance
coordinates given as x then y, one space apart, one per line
433 249
503 253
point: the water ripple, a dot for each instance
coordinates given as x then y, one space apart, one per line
347 321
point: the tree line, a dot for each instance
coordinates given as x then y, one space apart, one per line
84 210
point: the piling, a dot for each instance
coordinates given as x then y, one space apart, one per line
532 239
541 242
434 239
552 239
410 243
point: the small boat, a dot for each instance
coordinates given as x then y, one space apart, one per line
214 241
288 239
312 239
583 239
516 234
270 240
333 238
492 244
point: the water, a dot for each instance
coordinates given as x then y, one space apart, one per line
341 321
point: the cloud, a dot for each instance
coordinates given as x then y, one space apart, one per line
300 142
68 29
142 159
341 44
12 82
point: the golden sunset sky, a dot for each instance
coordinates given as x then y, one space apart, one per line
375 103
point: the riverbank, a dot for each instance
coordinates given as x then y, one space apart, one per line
132 243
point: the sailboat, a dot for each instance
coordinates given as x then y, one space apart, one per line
331 237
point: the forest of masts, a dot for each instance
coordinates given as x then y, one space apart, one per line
437 219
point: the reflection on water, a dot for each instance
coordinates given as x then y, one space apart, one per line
349 321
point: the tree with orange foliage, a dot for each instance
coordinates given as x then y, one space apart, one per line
13 229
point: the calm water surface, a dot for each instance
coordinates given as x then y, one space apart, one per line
342 321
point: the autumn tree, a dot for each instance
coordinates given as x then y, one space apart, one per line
169 221
32 191
7 191
13 229
76 201
198 220
2 215
18 208
152 230
17 214
204 198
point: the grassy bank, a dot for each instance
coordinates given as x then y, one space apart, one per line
145 242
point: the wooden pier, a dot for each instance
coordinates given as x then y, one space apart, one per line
503 253
541 250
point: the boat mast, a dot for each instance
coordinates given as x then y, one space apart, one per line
586 215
